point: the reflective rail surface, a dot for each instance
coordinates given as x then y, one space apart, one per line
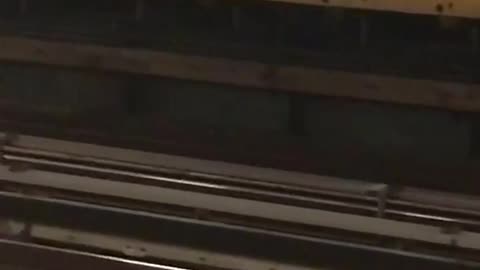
40 257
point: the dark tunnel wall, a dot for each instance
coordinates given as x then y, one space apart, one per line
341 137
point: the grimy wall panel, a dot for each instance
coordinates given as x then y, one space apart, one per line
217 107
57 91
366 129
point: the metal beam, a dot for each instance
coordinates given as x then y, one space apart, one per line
294 79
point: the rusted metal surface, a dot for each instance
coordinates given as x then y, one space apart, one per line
462 8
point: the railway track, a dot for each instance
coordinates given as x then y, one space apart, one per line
189 244
39 171
374 202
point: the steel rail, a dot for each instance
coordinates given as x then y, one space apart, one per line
367 205
76 236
